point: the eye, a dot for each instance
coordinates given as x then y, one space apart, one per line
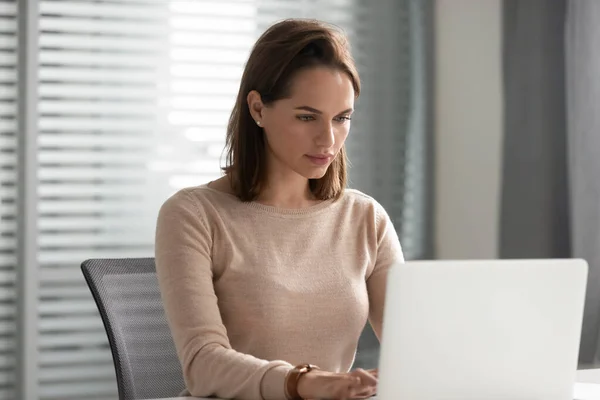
305 118
343 118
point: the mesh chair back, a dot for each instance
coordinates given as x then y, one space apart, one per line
127 295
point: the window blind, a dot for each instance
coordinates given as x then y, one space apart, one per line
8 161
101 70
134 97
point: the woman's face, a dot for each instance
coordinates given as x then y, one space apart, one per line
306 131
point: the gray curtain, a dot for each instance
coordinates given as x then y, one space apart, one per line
583 127
551 161
534 205
403 172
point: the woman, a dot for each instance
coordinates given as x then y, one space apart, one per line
276 264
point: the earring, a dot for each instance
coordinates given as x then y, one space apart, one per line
258 123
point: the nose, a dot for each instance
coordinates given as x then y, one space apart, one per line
326 136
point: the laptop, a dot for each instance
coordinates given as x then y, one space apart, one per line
482 330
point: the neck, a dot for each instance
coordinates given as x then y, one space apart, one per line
287 190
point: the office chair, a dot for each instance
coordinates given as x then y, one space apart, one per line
127 295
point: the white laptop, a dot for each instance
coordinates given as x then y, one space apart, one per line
482 330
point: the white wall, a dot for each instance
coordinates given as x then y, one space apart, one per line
468 127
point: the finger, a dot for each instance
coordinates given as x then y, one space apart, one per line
356 385
373 371
362 391
363 394
342 388
366 390
366 378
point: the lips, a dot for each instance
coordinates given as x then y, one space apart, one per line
320 159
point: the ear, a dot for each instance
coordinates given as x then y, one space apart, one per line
255 105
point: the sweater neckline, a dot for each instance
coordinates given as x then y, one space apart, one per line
273 209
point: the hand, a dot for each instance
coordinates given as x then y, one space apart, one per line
374 372
318 384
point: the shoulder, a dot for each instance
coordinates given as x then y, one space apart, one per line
202 198
362 203
358 197
191 209
197 201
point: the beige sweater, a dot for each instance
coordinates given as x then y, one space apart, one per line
251 290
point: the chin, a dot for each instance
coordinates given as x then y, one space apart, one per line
315 174
312 173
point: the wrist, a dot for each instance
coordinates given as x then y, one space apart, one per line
307 384
298 381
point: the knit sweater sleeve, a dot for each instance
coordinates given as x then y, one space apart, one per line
183 247
388 253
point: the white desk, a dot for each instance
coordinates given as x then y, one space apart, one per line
585 379
588 376
588 384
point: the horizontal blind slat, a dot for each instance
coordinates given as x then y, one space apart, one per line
69 357
88 389
8 160
83 156
7 109
8 126
8 76
7 312
7 143
216 8
85 190
8 9
8 42
214 24
120 206
86 223
104 10
7 328
72 340
98 76
95 124
64 291
86 174
7 360
8 93
7 378
7 394
8 26
205 87
70 41
7 60
7 346
209 39
104 59
141 28
92 106
67 307
75 257
115 239
67 141
81 373
68 323
90 90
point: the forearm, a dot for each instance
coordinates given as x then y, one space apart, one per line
214 370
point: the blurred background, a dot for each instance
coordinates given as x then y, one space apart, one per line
478 129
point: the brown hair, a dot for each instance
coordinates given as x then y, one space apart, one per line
282 51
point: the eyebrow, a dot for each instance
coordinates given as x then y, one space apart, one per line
314 110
